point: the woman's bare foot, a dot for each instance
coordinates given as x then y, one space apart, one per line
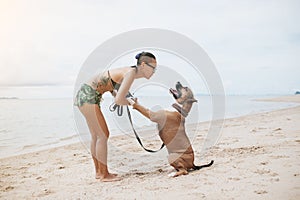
98 175
110 178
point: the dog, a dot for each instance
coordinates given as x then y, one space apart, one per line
171 125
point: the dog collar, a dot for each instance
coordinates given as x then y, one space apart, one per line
180 110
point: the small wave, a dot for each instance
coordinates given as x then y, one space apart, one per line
37 146
4 131
29 146
49 143
3 147
8 139
68 138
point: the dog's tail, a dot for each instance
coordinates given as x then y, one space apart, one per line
202 166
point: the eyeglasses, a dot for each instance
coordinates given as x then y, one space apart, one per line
154 68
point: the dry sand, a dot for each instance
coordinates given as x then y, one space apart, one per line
257 157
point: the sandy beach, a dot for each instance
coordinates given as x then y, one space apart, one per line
256 157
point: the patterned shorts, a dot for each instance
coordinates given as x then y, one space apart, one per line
86 94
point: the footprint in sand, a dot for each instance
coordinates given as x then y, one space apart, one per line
8 188
208 183
260 128
5 175
39 178
264 163
253 131
42 194
260 192
266 172
274 179
234 179
279 156
23 168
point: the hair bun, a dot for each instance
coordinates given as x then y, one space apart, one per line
138 55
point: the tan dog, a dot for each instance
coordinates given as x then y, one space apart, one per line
172 130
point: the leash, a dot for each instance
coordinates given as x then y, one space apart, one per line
114 107
138 138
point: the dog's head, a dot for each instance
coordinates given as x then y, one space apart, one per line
182 94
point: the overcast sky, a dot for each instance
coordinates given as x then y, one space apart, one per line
255 45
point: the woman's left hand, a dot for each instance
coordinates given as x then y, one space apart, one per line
131 101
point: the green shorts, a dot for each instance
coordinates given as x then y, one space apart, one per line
86 94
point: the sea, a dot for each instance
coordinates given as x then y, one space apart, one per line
29 125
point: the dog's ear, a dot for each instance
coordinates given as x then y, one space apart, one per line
191 100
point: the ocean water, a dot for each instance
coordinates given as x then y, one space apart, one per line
28 125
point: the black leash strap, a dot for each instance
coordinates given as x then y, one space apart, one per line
113 107
138 138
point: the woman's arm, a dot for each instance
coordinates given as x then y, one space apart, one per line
128 79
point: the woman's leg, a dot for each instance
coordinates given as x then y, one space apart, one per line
93 152
99 131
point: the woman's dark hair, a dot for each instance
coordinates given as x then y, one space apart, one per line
144 57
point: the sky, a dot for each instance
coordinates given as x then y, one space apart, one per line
255 44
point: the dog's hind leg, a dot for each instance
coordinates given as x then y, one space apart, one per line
181 172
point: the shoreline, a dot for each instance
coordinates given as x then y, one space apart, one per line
257 157
292 99
79 142
76 138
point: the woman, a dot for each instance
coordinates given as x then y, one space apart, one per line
88 101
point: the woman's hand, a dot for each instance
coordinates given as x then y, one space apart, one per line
131 100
